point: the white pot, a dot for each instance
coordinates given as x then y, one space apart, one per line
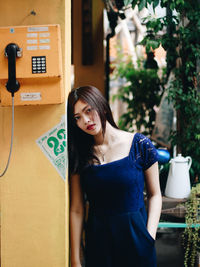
178 181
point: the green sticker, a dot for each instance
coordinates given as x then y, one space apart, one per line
53 144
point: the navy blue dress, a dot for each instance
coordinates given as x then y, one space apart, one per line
116 233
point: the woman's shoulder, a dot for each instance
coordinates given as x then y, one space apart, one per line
132 137
136 141
122 141
124 135
143 150
137 136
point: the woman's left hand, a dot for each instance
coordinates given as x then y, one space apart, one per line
153 235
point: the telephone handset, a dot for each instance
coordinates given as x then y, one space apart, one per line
12 51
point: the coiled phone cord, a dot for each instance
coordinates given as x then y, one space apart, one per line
11 143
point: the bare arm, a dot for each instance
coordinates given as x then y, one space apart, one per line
76 219
154 198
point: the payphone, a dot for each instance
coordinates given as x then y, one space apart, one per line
38 71
30 68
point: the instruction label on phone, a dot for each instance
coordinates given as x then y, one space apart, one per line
53 145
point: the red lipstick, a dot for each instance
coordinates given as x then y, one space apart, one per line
90 127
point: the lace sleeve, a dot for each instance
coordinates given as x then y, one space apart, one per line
148 152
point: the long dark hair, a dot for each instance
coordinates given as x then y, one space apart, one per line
81 144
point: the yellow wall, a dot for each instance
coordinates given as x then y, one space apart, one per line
92 74
34 197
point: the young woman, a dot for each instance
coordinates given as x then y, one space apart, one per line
109 168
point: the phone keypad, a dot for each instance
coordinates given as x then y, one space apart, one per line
39 64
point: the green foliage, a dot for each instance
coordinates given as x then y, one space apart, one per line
179 5
141 92
180 36
188 106
127 2
143 3
191 234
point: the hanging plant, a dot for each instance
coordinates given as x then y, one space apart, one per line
191 234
